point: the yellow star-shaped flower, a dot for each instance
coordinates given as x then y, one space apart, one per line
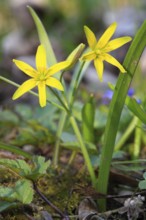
41 76
100 49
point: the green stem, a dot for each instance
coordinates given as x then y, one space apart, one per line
137 140
72 90
74 85
116 106
126 134
65 105
15 150
58 135
82 145
31 92
84 151
80 140
72 157
60 126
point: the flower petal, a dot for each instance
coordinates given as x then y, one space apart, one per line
53 82
98 63
90 37
89 56
114 62
57 67
106 35
41 61
42 93
116 43
26 68
25 87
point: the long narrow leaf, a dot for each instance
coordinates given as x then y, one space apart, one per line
116 106
136 109
44 38
133 106
15 150
88 115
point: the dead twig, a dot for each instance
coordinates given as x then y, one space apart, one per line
49 203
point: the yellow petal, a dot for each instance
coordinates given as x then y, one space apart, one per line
26 68
106 35
41 61
114 62
116 43
42 93
25 87
57 67
98 63
90 37
89 56
53 82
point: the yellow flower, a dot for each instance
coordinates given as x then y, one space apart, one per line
100 49
41 76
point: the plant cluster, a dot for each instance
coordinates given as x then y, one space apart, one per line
52 90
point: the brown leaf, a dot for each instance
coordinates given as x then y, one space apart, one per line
87 209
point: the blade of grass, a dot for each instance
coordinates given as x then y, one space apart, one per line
15 150
44 38
127 133
137 140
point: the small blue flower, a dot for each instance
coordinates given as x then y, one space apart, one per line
138 101
131 92
107 96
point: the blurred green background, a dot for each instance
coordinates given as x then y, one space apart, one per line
64 21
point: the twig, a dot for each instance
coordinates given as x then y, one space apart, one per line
49 203
125 196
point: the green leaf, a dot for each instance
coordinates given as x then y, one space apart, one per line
5 205
7 193
40 167
25 111
133 106
69 141
144 175
26 135
118 100
18 166
136 109
68 137
15 150
88 115
40 164
142 184
24 191
100 117
8 116
44 39
78 74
